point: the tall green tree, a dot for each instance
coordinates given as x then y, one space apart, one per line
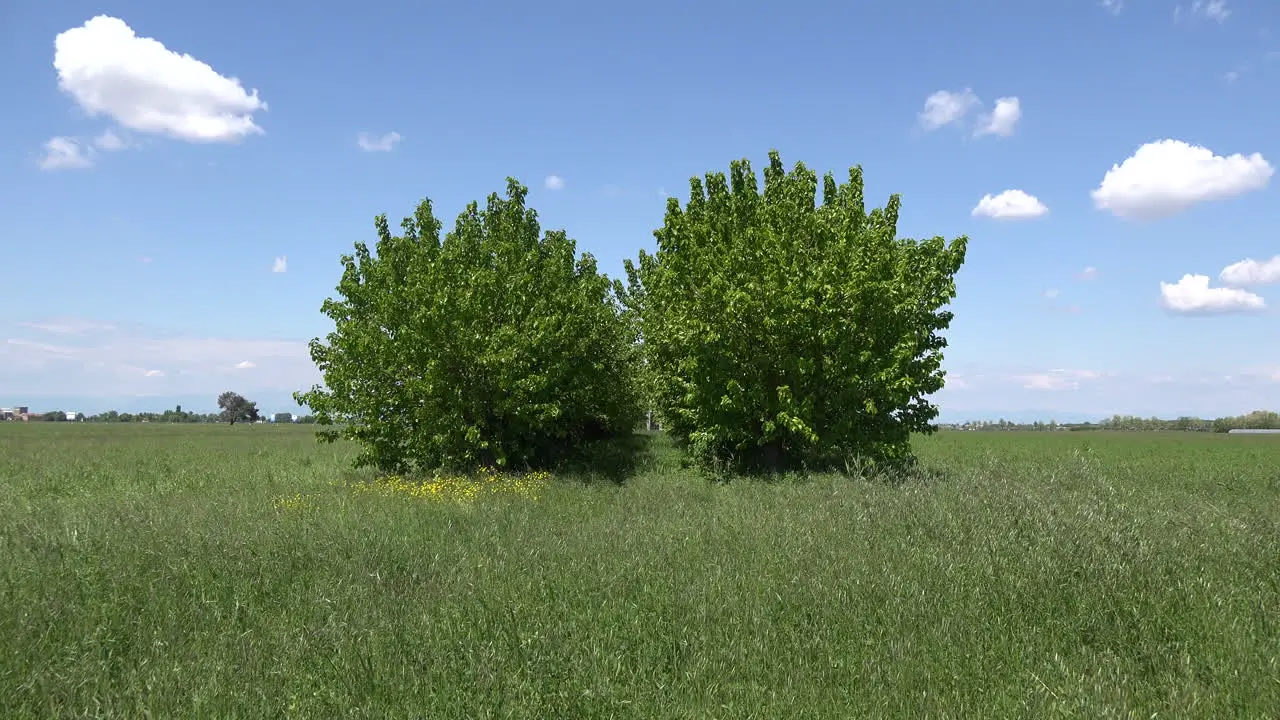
782 333
494 346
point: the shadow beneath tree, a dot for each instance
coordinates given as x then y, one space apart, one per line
612 460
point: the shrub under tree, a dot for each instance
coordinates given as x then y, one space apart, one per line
782 335
496 346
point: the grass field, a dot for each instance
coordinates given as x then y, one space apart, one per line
195 571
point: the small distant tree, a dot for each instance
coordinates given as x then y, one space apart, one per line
780 334
235 407
496 346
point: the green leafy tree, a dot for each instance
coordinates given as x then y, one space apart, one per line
782 334
236 408
495 346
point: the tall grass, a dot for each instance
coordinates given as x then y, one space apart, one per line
154 571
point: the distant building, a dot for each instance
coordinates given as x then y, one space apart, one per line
73 415
284 418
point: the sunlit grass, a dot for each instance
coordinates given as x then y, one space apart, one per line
154 571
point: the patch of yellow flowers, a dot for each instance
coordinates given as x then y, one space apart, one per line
458 488
295 502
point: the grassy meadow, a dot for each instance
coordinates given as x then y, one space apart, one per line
174 571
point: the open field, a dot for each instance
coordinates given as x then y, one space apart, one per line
197 571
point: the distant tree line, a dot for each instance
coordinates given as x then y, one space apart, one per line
1256 420
235 408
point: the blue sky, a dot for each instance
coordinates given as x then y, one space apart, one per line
161 161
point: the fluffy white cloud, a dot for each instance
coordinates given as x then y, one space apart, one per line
945 107
1112 6
1192 294
1009 205
554 182
280 265
147 87
68 356
64 153
1250 272
382 143
1002 120
1166 177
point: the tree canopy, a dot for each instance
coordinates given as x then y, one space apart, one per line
494 346
779 333
236 408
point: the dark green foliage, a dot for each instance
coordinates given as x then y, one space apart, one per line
496 346
236 408
779 334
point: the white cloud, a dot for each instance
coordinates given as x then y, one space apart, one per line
1009 205
1250 272
280 265
1002 119
94 359
110 141
1192 294
1165 177
944 107
64 153
147 87
1112 6
1051 293
554 182
69 326
1215 10
382 143
1090 272
1058 379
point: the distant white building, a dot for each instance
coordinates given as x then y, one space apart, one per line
73 415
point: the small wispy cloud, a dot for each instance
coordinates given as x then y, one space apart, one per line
1215 10
945 107
110 142
1090 272
554 182
1051 293
69 326
280 265
92 358
65 153
381 143
1112 6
